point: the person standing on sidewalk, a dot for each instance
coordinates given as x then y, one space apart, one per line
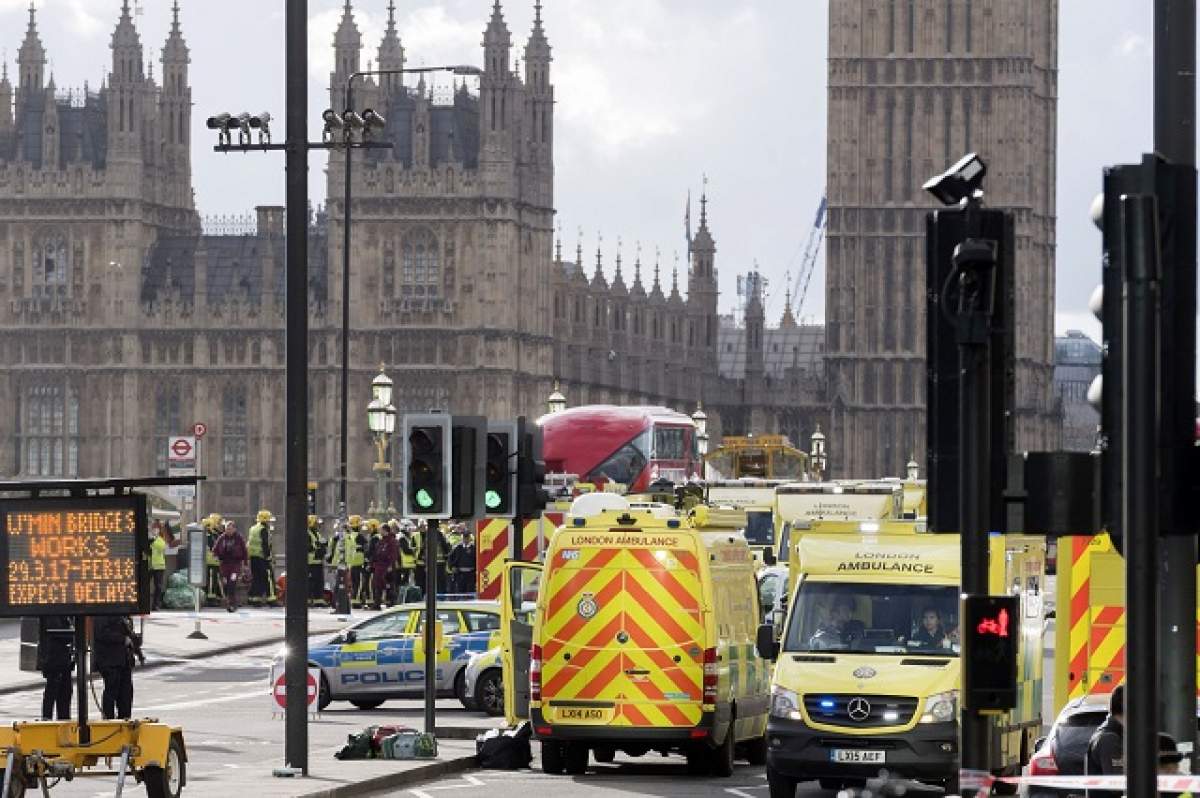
158 565
212 566
116 647
56 659
462 565
356 556
259 548
384 553
316 564
230 550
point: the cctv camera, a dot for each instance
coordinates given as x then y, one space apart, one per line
372 119
331 119
218 122
963 181
353 120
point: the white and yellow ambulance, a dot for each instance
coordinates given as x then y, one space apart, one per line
867 674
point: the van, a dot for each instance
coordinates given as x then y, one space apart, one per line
642 640
867 675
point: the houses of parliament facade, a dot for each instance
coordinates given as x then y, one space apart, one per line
124 319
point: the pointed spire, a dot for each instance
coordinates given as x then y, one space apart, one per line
496 44
598 276
31 58
618 282
656 289
637 272
675 279
175 16
175 52
558 247
703 242
788 319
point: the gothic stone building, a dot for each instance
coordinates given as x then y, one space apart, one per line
914 85
122 321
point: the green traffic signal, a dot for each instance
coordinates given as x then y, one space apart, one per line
492 499
424 499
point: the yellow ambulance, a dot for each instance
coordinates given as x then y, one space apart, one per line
643 640
867 673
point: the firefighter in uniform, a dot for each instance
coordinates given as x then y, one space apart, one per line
336 559
356 557
262 585
316 562
405 562
214 590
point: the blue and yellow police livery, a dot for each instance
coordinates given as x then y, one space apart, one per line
384 657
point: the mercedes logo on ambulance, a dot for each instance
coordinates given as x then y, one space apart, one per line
858 709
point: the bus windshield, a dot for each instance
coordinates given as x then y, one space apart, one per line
874 618
760 528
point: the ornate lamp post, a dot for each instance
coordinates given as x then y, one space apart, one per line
817 459
381 421
556 402
914 471
700 419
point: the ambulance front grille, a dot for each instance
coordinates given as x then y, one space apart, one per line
860 711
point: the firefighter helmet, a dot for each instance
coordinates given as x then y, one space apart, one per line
313 520
372 524
263 516
355 520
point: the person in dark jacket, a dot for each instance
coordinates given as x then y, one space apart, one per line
384 553
230 551
462 565
56 659
116 647
1106 749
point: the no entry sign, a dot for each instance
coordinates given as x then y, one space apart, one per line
279 689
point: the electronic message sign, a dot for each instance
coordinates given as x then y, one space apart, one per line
72 556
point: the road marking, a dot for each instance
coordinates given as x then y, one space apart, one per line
471 781
202 702
740 791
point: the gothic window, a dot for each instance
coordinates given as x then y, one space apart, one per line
889 131
234 444
892 26
54 261
912 25
949 25
48 430
967 23
420 271
166 423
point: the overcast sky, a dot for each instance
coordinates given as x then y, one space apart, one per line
651 95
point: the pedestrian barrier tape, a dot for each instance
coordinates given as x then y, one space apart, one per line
982 780
492 548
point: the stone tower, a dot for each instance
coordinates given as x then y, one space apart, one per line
913 85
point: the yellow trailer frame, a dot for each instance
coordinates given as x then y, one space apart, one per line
32 752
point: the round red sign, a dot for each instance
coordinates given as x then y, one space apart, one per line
181 447
199 428
280 690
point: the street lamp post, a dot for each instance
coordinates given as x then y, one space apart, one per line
556 402
700 419
817 454
350 124
381 420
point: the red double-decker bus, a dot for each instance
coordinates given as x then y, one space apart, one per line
632 446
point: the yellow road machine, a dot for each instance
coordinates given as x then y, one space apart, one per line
76 549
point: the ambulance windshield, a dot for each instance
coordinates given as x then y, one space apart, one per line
874 618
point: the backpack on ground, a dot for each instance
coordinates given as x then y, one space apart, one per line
358 746
409 744
505 749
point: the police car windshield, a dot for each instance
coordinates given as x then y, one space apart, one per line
874 619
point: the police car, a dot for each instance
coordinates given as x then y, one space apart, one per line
384 657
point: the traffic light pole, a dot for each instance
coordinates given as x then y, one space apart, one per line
1140 506
973 318
1175 140
431 582
296 391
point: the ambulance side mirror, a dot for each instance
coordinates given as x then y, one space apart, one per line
769 556
767 647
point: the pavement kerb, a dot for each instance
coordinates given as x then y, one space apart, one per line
231 648
400 778
461 732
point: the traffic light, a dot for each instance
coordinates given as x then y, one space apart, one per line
532 497
500 481
952 234
427 463
990 628
468 457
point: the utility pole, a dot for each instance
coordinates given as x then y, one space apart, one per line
296 392
1175 141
